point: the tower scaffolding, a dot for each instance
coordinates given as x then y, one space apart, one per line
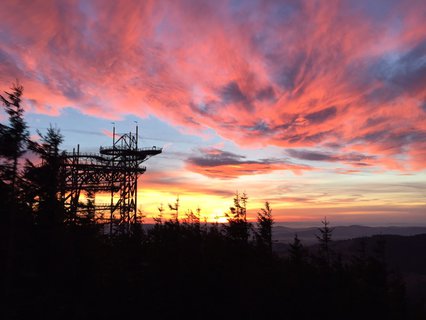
114 171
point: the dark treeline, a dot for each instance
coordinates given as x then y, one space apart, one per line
178 268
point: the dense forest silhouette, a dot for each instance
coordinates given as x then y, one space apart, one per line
180 267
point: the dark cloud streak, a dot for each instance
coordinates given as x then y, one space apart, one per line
311 155
322 115
221 164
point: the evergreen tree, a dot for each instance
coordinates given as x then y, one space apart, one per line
13 141
13 137
324 239
192 219
264 227
296 251
159 219
90 205
44 180
238 228
175 209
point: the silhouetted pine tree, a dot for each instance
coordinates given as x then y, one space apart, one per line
90 206
44 180
264 227
296 251
159 219
324 240
238 229
192 221
175 210
13 142
13 217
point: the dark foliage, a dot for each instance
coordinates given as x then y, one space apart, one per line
296 252
14 136
188 270
42 182
13 141
324 239
238 229
264 227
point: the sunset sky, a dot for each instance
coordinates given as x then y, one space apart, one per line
318 107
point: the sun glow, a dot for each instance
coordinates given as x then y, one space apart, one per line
212 208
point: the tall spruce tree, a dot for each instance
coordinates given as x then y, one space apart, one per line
324 239
175 210
238 228
296 251
44 180
264 227
13 138
13 142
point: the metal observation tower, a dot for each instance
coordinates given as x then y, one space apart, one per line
114 172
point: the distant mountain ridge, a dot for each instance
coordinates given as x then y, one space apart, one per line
308 235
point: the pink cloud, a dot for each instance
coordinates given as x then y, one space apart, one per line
284 73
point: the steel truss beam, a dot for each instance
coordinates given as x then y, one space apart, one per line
114 171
